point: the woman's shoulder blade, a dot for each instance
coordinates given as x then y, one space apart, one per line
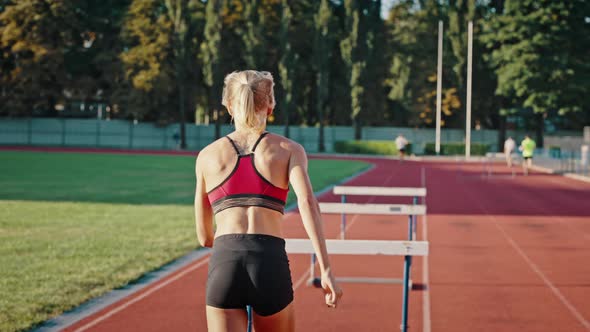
212 148
285 142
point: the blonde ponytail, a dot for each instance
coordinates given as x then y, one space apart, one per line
249 94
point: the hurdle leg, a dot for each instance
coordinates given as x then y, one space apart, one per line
343 220
406 291
311 279
406 281
249 312
411 236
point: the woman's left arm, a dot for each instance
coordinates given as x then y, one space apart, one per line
203 211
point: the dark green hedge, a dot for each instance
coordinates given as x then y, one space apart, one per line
369 147
449 149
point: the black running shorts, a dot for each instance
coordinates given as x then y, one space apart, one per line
249 269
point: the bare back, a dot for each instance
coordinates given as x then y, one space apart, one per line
271 159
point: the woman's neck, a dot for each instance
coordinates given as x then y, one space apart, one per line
245 130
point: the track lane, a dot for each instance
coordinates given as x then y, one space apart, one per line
520 296
478 281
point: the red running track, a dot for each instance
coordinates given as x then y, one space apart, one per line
507 254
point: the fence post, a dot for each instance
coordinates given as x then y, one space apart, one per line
130 134
63 132
165 130
97 133
30 131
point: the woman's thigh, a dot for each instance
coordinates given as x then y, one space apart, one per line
283 321
226 320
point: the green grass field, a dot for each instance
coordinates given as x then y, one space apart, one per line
74 226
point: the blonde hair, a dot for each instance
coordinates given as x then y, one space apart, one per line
250 94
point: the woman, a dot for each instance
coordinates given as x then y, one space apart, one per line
243 180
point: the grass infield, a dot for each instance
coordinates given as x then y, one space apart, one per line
74 226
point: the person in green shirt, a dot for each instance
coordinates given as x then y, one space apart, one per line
527 146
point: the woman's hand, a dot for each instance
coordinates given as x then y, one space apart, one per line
331 289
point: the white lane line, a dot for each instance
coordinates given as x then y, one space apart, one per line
426 323
139 298
546 280
535 268
300 281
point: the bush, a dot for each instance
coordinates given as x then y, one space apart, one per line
456 148
369 147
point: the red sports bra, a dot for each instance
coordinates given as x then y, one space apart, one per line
245 186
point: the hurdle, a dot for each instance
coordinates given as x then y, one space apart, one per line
487 169
491 157
368 247
373 209
412 211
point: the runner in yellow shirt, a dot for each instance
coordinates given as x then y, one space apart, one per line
527 146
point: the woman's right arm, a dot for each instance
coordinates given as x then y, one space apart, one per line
203 210
310 214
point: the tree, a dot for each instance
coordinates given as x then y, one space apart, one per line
374 77
351 50
286 63
460 13
146 58
180 20
210 54
35 37
412 75
252 35
161 64
94 69
539 50
321 55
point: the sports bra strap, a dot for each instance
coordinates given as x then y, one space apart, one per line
233 144
253 148
258 140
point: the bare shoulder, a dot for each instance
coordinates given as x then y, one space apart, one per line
287 144
210 151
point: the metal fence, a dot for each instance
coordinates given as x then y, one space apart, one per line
134 135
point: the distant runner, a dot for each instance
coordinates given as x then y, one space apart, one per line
509 146
527 146
401 143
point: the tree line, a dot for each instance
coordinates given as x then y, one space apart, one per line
335 62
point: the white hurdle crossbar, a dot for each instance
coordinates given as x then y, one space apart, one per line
380 191
361 247
385 209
